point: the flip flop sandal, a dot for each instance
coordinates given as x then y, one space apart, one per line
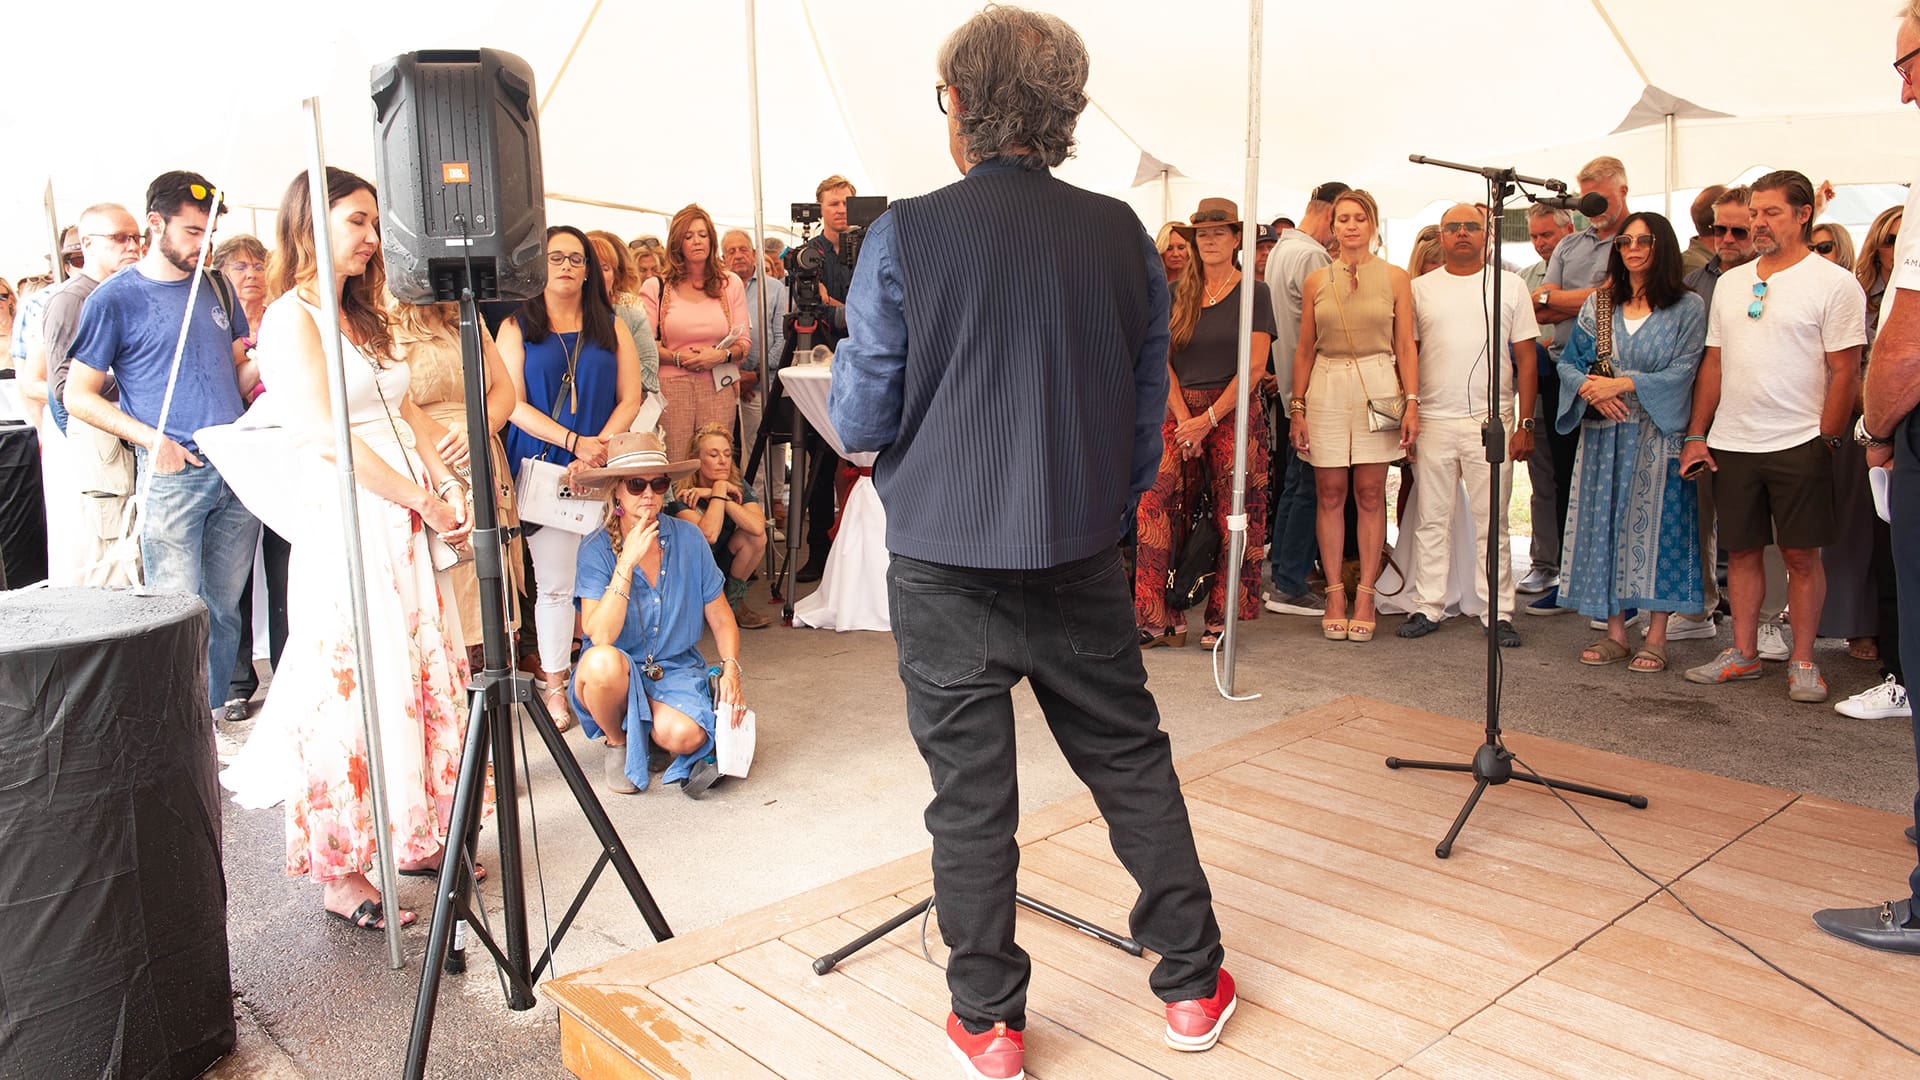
368 916
479 872
1654 656
1607 650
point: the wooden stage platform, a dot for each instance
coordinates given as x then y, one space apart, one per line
1532 952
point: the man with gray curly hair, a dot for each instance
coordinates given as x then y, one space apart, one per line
1016 407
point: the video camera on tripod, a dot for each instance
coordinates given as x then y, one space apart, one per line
806 261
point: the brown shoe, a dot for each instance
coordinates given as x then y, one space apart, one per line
749 619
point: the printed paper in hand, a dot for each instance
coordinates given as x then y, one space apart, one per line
733 745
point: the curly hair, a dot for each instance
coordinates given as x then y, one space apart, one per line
1021 79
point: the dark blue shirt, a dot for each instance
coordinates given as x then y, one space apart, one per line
596 385
1017 400
130 327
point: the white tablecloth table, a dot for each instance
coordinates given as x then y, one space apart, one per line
852 594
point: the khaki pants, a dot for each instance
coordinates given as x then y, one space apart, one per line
1448 452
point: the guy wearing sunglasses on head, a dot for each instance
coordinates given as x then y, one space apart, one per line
1771 403
195 536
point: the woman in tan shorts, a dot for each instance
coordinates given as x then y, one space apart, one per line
1356 343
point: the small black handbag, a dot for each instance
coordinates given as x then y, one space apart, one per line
1192 574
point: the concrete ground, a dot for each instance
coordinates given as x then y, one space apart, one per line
837 787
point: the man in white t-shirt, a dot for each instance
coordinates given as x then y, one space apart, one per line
1451 307
1771 403
1891 433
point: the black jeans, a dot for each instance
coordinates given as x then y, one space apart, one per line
1903 497
966 636
274 553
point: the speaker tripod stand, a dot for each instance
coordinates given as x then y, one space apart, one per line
495 694
1493 763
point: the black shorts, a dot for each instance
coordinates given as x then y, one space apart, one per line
1782 497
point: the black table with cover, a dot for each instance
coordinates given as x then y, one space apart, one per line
113 902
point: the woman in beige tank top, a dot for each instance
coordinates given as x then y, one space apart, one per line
1356 342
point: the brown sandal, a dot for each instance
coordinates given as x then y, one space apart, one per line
1605 651
1650 655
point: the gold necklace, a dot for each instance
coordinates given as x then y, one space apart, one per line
1213 298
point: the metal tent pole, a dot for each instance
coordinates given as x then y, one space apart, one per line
760 269
350 522
1249 248
1673 146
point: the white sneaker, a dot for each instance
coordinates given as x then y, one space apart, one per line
1774 642
1881 702
1682 628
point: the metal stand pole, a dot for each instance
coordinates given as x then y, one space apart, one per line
1249 246
1493 762
827 963
350 519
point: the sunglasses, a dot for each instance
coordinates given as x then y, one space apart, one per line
1891 239
1759 300
566 258
1471 228
638 485
124 239
1822 247
1205 216
1739 232
1644 240
74 259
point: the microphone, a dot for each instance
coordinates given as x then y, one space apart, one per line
1591 204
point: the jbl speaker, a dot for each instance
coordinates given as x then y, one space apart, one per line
458 167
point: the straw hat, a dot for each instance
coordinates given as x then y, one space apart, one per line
636 453
1212 212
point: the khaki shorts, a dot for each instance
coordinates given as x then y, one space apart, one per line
1337 434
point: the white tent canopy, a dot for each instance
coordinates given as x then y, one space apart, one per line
646 110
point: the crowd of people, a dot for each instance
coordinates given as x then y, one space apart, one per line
1672 425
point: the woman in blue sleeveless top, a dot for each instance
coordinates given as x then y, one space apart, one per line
577 374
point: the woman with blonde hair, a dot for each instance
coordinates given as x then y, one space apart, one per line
1874 266
1351 415
1176 251
723 505
1427 255
1833 243
427 338
646 584
623 291
308 749
699 314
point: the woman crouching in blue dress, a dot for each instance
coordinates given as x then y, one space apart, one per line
644 582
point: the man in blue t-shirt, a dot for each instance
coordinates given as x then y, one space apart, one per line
195 536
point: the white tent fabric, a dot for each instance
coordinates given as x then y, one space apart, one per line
649 111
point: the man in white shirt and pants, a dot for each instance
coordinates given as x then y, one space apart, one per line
1451 307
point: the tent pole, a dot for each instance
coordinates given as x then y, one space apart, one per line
350 522
759 253
1673 146
57 267
1166 196
1249 248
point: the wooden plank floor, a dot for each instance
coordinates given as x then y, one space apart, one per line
1534 951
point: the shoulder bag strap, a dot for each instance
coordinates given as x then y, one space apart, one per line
1358 370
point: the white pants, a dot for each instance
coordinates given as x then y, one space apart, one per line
1447 453
556 555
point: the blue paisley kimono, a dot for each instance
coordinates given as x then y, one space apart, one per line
1632 538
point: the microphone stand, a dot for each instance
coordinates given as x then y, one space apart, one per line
1493 762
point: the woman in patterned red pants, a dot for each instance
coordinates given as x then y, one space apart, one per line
1203 365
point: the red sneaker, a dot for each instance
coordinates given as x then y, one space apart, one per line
1194 1025
994 1054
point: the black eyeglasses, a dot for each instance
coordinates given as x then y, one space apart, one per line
566 258
940 96
1471 228
1902 67
124 239
1645 240
638 485
1822 247
1739 232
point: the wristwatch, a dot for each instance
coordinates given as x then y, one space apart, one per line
1861 436
1526 423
